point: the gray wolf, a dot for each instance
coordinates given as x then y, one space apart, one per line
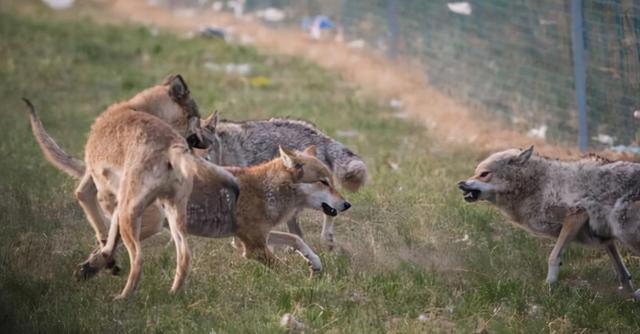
253 142
591 201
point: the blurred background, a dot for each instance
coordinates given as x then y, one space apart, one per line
509 59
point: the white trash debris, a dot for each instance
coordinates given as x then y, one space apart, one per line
217 6
540 132
604 139
271 14
237 6
462 8
396 104
59 4
626 149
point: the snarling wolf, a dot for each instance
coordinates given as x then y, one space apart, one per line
591 201
269 194
253 142
209 208
272 192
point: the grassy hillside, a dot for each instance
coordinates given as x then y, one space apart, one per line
413 256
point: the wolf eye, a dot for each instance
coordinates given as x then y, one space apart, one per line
325 182
485 174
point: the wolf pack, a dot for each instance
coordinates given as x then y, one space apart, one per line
153 162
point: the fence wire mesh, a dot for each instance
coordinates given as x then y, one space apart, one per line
510 59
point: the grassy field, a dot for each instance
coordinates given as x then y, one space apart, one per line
413 256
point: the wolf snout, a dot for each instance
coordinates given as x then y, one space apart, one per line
470 194
197 141
329 210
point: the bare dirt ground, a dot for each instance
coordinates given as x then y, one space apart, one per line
443 116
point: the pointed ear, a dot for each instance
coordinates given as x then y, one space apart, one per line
287 157
178 89
524 156
211 122
311 150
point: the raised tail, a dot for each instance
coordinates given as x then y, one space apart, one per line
190 166
347 167
52 152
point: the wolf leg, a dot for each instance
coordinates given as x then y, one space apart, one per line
95 203
86 193
327 232
294 226
176 211
570 228
287 239
255 248
624 277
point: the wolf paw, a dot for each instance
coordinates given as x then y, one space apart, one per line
552 276
636 296
314 272
119 297
85 271
329 242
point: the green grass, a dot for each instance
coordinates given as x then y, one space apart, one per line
403 247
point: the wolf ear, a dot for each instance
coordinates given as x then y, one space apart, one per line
178 89
524 156
212 121
287 157
310 150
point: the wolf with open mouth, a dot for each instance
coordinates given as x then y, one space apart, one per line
592 201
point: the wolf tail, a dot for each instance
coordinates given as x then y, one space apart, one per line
52 152
190 166
348 168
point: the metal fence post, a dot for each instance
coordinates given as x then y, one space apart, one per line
392 25
579 72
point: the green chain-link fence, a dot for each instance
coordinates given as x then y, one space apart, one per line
511 59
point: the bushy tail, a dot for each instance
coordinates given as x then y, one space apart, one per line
52 152
348 168
189 165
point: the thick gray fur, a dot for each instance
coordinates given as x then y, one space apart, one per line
253 142
539 193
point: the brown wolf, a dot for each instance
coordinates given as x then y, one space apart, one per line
273 192
253 142
591 201
269 195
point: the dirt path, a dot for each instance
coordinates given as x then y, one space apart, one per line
447 119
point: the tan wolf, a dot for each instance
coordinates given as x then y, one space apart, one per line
170 101
273 192
592 201
135 159
253 142
209 210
